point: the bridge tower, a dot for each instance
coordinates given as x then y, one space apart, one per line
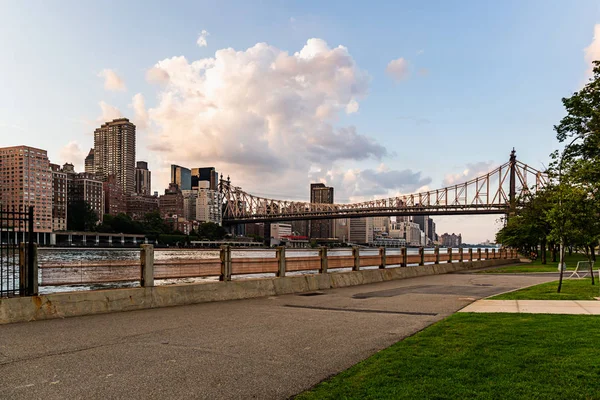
512 194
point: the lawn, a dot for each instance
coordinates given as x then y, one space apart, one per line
485 356
572 289
537 266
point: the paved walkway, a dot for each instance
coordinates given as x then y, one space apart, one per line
535 306
268 348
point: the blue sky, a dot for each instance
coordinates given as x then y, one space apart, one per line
482 77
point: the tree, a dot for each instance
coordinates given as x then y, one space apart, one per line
81 216
211 231
575 218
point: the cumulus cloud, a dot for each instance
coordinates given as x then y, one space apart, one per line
72 153
592 52
108 112
201 42
157 75
261 111
140 118
470 172
112 81
397 69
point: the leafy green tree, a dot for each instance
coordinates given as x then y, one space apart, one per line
211 231
81 216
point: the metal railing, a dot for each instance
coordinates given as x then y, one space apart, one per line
18 272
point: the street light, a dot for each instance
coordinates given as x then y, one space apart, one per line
561 263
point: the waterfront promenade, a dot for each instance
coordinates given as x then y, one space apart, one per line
267 348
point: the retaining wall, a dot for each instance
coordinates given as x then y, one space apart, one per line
71 304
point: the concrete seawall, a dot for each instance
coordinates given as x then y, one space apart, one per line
63 305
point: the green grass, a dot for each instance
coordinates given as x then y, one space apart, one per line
483 356
572 289
537 266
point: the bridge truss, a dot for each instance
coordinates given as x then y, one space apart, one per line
498 192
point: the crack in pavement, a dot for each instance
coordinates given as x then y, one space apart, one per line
362 310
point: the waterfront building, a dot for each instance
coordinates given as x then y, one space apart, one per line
114 153
451 240
89 163
115 201
171 203
182 177
84 187
431 235
281 230
138 205
361 230
321 194
409 231
26 180
143 182
381 225
190 198
59 198
208 204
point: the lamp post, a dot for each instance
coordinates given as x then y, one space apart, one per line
561 263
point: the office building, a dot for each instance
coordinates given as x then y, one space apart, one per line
206 174
114 153
89 163
361 230
171 203
26 180
143 181
138 205
281 230
381 226
431 236
321 194
182 177
190 198
84 187
115 201
59 198
451 240
208 204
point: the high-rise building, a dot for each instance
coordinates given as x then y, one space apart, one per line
451 240
319 193
190 198
431 236
182 177
381 225
115 201
170 204
361 230
206 174
26 180
143 181
208 204
89 163
84 187
59 198
114 153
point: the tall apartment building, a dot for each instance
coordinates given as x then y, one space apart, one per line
89 163
84 187
361 230
171 203
59 198
431 236
190 198
138 205
319 193
26 180
208 204
143 182
206 174
182 177
451 240
115 201
114 153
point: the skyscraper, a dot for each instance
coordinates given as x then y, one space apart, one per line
182 177
114 153
89 163
319 193
142 178
206 174
26 180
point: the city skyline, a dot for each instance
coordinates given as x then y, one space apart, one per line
399 87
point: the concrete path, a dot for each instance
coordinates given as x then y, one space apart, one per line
268 348
535 306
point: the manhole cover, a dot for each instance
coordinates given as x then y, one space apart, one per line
311 294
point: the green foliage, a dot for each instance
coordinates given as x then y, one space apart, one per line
171 240
211 231
81 217
480 356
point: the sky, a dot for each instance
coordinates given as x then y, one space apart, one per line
374 98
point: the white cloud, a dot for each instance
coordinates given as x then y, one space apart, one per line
397 69
592 52
108 112
261 112
471 171
112 81
201 42
140 118
157 75
72 153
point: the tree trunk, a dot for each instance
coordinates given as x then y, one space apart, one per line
591 255
553 248
570 251
562 257
544 251
593 251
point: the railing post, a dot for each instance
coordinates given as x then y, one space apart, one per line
470 254
280 252
28 269
382 258
422 254
494 254
436 251
461 255
449 254
505 254
478 254
356 255
22 270
323 256
147 265
487 254
404 254
225 263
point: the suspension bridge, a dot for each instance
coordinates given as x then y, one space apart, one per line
499 191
